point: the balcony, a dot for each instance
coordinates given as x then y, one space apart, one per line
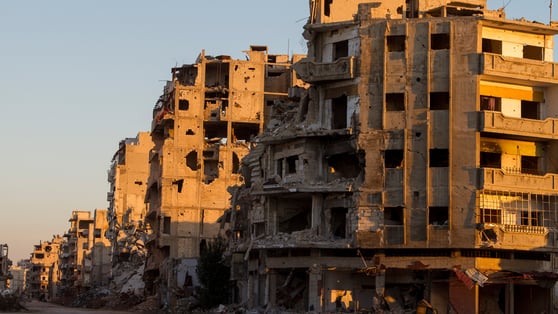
496 122
340 69
498 179
523 69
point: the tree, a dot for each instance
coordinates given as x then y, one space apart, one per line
213 273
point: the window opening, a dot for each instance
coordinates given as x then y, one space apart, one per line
492 46
339 221
210 170
183 104
393 158
439 158
340 49
215 130
439 101
166 225
530 109
490 160
293 214
192 160
533 52
489 103
396 43
244 131
339 112
235 163
279 168
291 164
395 102
344 166
438 216
327 7
393 216
530 165
439 41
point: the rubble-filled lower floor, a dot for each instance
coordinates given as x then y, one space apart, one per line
379 284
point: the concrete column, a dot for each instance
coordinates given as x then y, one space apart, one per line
315 289
317 208
271 289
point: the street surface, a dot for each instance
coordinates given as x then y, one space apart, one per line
42 307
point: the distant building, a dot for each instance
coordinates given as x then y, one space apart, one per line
101 250
202 127
419 172
75 269
43 276
18 283
128 181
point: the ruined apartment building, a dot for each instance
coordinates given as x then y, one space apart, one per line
202 127
99 256
77 245
127 176
43 277
419 170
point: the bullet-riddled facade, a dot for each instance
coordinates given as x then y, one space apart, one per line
73 266
44 275
202 127
418 172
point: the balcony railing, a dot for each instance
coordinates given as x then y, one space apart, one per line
523 69
340 69
494 121
498 179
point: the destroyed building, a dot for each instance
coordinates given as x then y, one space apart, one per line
43 277
99 256
127 176
419 172
202 127
77 245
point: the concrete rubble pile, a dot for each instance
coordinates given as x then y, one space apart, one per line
11 302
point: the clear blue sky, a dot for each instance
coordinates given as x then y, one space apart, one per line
76 77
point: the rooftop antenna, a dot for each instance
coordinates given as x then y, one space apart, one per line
550 7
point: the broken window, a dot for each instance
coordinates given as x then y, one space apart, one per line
492 46
533 52
279 168
211 165
490 160
339 112
530 164
340 49
438 216
235 163
166 225
439 158
344 166
395 102
531 218
393 225
327 7
183 104
244 131
192 160
439 101
84 224
190 132
530 109
396 43
490 103
215 130
217 74
291 164
393 158
97 233
439 41
39 255
393 215
339 221
490 215
293 214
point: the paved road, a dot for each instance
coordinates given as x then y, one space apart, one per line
42 307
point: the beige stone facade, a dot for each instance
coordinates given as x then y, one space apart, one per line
419 171
74 272
202 127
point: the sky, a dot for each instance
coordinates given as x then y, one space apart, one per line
76 77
